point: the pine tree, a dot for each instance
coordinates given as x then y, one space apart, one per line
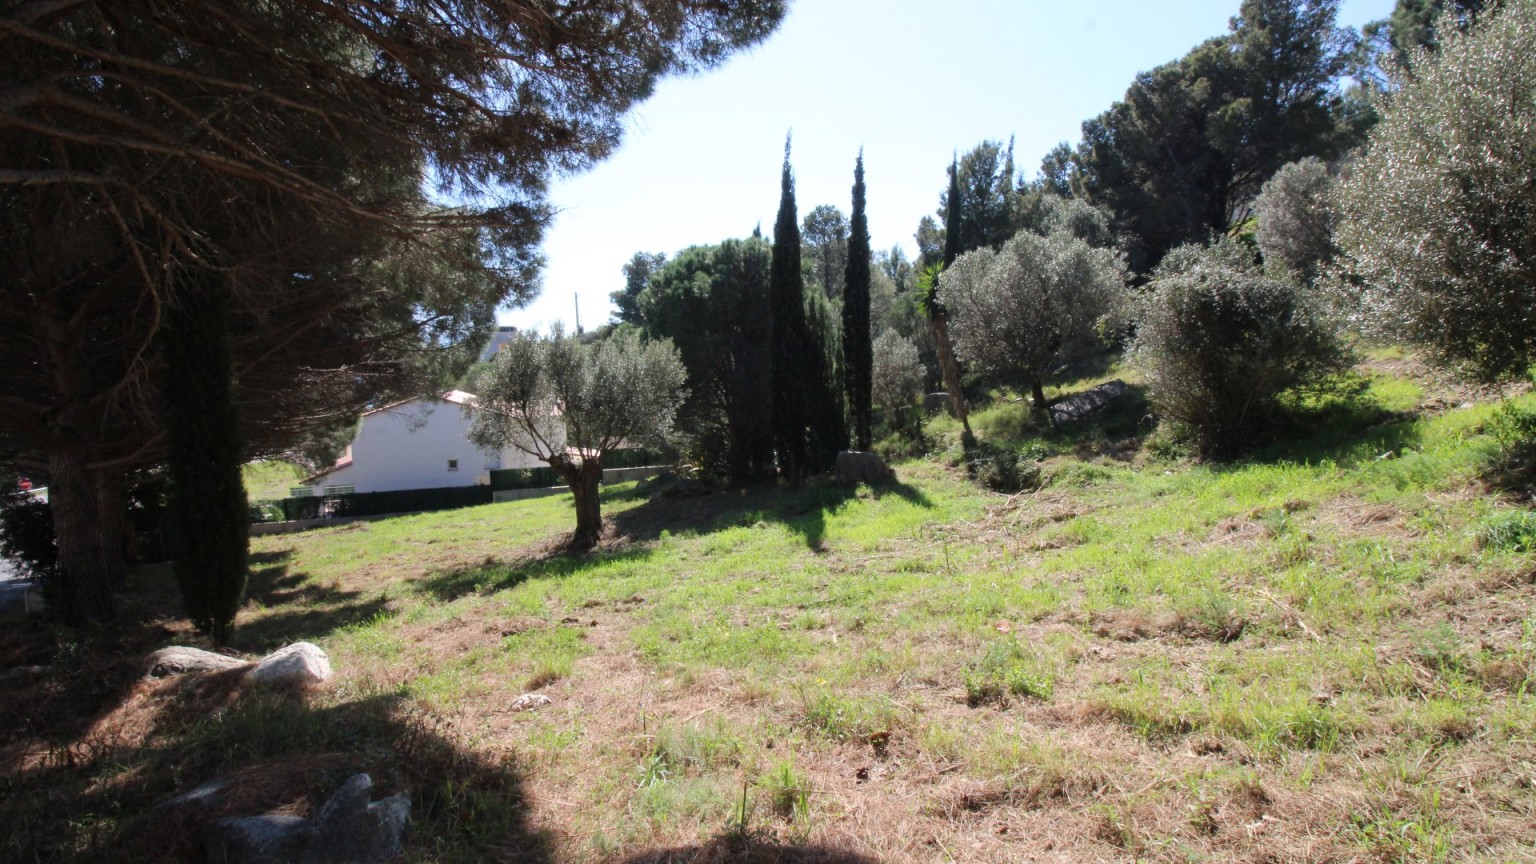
209 517
791 347
857 358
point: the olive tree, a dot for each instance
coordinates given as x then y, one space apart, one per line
620 390
896 376
1439 216
1032 305
1296 218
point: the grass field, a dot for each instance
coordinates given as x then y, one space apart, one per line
1322 653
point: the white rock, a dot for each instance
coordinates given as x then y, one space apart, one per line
301 664
530 701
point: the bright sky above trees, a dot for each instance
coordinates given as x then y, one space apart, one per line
911 81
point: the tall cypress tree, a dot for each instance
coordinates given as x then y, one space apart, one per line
938 316
209 516
858 358
791 345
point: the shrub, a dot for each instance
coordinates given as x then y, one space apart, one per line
896 378
1003 470
1220 343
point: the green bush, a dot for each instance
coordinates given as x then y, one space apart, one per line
1512 532
1003 470
1221 343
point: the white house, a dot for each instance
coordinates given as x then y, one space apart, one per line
421 443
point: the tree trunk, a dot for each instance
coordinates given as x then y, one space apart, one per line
940 326
89 540
1037 392
585 479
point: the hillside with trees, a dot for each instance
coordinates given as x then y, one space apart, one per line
1173 501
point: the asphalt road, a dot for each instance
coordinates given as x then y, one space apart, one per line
12 590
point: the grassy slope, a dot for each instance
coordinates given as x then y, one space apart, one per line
1307 656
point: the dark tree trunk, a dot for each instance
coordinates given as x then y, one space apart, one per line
1037 392
89 538
585 479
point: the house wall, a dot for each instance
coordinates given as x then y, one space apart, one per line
408 446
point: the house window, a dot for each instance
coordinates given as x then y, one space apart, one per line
453 464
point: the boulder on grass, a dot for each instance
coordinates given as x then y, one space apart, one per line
180 660
302 664
266 839
348 829
860 466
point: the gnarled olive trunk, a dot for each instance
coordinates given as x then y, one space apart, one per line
584 476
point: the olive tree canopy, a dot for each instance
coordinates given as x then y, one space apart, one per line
620 390
1031 306
1439 216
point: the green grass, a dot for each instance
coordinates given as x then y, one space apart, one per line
1152 650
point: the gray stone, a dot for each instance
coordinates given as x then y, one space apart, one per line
859 466
17 673
179 660
205 796
1080 405
301 664
267 839
933 403
351 830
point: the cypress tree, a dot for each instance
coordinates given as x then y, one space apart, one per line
858 359
952 216
209 517
791 347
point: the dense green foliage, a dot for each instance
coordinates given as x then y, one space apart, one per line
1220 343
299 146
1297 217
1439 216
712 302
825 247
856 315
209 520
637 274
896 377
790 339
620 390
1414 24
1182 155
1020 312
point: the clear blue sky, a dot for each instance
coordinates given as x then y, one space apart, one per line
911 82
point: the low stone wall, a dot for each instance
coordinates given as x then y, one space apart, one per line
259 529
611 475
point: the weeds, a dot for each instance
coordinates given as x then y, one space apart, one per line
1006 671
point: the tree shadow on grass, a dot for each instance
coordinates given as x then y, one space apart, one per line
749 848
630 534
802 508
278 751
295 608
1347 431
